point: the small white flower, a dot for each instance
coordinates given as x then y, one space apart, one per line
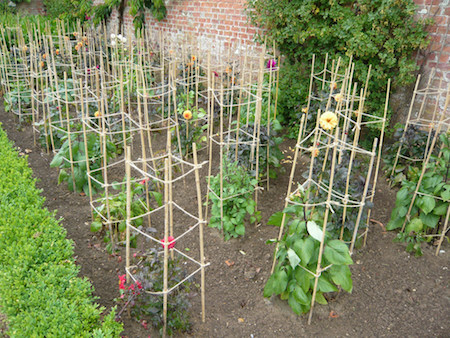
124 40
119 36
113 43
113 36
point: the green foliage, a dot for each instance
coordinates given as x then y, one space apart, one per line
138 7
414 144
5 8
293 92
430 205
338 224
18 98
41 293
237 200
191 123
248 109
116 205
298 252
380 33
10 6
268 131
150 277
24 22
69 10
79 180
246 150
103 11
137 10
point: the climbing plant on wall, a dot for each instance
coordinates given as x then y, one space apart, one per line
137 9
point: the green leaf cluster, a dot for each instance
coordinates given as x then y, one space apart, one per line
40 292
69 10
430 205
79 180
115 205
190 130
237 200
414 143
298 252
103 11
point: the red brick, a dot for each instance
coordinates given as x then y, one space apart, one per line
440 20
432 57
435 10
444 58
442 30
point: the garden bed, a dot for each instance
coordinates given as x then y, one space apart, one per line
394 293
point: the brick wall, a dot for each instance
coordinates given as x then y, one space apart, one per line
438 53
216 24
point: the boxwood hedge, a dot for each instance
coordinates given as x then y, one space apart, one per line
40 291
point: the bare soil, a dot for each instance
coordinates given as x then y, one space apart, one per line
394 293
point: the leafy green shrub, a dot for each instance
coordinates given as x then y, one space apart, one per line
292 92
5 7
71 10
40 292
380 33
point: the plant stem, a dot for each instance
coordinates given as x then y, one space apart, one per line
446 173
126 305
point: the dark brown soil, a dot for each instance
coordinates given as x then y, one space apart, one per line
394 294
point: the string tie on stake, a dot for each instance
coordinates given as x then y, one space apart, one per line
329 206
345 199
357 126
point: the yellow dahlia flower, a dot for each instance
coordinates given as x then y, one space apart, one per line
338 97
328 120
187 115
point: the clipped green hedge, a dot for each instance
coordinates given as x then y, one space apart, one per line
39 289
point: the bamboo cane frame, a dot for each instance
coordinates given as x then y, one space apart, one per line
424 168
